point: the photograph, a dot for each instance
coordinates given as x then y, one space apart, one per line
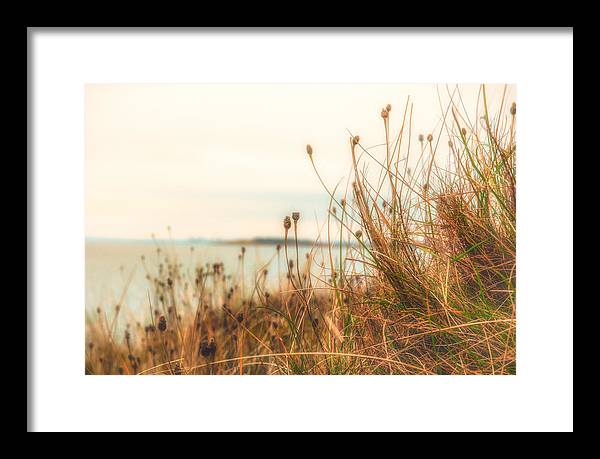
300 229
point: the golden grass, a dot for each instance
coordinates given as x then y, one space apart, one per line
421 268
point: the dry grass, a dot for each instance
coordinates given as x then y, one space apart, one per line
420 273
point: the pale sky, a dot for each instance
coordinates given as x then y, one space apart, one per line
229 161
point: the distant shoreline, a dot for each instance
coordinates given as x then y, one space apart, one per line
205 241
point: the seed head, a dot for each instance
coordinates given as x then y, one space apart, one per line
162 324
355 140
513 109
384 113
388 107
429 138
204 348
295 216
287 223
309 150
358 234
421 138
464 132
212 346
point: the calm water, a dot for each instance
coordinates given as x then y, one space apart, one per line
114 270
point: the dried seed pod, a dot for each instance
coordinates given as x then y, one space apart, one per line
212 347
287 223
513 109
162 324
204 348
295 216
309 150
429 138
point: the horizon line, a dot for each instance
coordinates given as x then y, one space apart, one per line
207 240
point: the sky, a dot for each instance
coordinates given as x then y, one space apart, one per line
228 161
